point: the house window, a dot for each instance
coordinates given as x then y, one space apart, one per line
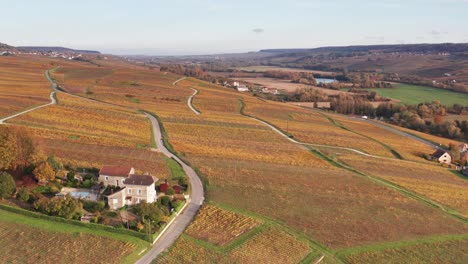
139 192
114 201
123 184
106 178
129 191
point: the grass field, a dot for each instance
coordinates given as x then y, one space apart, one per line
40 241
415 94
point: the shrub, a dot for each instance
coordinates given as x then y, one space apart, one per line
23 195
93 207
170 191
165 200
7 185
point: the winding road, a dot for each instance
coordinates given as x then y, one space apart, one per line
314 145
186 216
399 132
190 99
181 79
52 101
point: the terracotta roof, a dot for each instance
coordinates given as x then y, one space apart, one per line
439 153
123 171
145 180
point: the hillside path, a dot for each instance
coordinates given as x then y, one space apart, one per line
190 99
52 102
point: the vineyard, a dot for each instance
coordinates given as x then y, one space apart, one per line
39 241
243 158
187 251
218 226
410 149
249 167
451 251
310 127
271 246
22 84
432 181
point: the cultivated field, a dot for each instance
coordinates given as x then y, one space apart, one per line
432 181
286 85
273 68
40 241
271 246
218 226
251 168
408 148
22 84
433 251
85 133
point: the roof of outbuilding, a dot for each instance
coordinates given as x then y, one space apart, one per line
438 153
135 179
123 171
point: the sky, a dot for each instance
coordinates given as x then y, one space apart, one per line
192 27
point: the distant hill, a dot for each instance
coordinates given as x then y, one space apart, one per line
6 47
55 49
423 48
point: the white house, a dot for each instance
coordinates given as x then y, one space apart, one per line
242 88
442 156
135 188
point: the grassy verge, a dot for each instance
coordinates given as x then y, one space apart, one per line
399 244
51 226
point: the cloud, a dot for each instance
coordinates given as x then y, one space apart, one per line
438 33
258 30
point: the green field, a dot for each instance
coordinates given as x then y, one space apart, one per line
415 94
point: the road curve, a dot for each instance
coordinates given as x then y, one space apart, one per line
315 145
181 79
52 101
190 99
399 132
187 215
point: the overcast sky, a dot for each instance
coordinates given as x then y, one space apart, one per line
176 27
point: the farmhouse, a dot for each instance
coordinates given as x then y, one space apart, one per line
442 156
242 88
135 188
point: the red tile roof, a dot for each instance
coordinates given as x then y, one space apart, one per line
123 171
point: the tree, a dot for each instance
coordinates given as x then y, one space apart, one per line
7 185
65 207
25 149
44 172
56 166
8 148
148 211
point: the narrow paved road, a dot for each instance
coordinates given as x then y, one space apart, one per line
181 79
190 99
399 132
52 101
316 145
186 216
